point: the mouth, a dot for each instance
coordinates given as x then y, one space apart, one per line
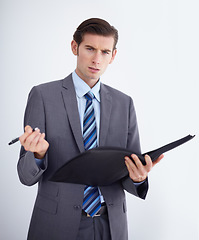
94 70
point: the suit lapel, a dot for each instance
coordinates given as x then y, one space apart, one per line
70 102
105 113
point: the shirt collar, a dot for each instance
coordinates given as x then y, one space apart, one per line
82 88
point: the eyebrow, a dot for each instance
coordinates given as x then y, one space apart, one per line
104 50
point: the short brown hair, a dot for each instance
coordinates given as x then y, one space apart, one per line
95 26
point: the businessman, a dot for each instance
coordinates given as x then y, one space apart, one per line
71 116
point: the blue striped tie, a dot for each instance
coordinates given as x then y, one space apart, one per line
91 202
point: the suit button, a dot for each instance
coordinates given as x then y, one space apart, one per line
76 207
110 204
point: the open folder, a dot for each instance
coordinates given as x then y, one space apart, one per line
105 165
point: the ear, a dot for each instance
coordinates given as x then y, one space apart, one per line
74 47
113 56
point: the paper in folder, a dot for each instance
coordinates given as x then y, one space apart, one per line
105 165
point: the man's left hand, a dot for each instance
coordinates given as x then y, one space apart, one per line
137 171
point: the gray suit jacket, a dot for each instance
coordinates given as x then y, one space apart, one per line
52 107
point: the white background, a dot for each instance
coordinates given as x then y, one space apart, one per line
157 64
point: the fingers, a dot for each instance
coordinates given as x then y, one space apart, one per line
28 128
149 163
137 161
28 131
30 139
131 168
34 141
158 160
137 171
39 142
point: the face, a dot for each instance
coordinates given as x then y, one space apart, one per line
94 54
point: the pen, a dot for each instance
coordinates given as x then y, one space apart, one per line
17 139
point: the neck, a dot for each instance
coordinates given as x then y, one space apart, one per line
91 83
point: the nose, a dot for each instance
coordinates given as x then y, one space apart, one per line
96 58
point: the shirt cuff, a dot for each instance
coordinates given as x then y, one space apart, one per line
138 183
40 163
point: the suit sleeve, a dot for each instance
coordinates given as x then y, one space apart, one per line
133 142
29 172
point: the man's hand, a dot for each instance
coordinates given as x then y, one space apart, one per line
137 171
34 142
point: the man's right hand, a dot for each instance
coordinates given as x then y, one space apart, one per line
34 141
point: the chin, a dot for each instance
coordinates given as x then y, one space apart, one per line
93 76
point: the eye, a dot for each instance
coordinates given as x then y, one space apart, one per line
89 49
105 52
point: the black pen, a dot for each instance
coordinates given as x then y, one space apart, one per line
17 139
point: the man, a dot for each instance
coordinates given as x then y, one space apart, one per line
58 111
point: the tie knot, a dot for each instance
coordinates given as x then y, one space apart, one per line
89 96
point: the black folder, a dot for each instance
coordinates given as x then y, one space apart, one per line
105 165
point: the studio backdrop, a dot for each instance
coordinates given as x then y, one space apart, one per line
156 64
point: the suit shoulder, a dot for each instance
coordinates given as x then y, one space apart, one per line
49 85
115 92
52 86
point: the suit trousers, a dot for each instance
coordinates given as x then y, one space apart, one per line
96 228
